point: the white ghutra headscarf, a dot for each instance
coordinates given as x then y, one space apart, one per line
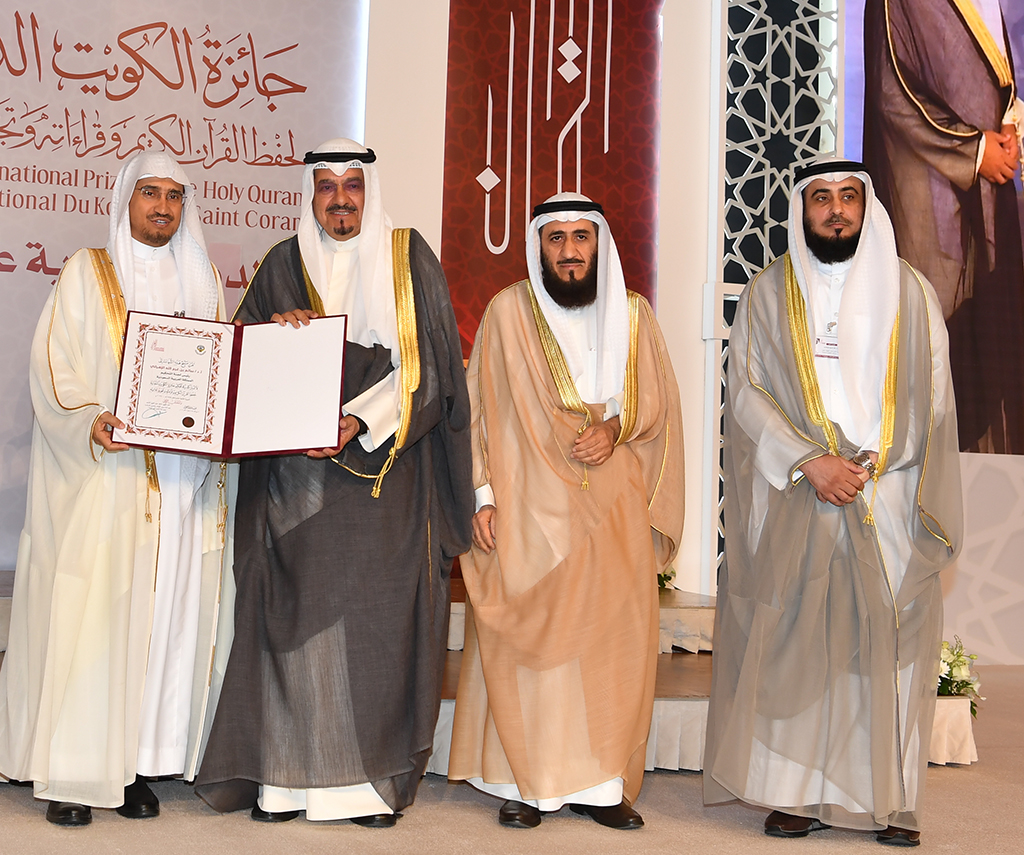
612 304
871 293
376 278
188 246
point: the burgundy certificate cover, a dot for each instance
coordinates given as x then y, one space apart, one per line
206 387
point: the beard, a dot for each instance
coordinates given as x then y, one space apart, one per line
155 238
574 294
830 250
342 230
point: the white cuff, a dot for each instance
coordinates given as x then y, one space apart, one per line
380 407
613 406
484 496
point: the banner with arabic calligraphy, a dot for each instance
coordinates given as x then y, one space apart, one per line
236 91
544 97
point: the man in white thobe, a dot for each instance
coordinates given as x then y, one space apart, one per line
104 681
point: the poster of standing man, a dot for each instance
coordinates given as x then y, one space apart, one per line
942 140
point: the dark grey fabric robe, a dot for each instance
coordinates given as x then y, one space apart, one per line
341 617
930 93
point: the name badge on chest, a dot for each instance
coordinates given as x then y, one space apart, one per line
826 346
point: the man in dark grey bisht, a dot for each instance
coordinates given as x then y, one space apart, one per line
842 505
342 555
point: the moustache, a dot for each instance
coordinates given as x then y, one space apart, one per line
351 209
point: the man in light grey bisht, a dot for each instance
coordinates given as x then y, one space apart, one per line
842 505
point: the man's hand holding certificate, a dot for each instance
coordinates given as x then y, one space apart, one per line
205 387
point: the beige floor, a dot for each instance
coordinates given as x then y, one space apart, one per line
974 810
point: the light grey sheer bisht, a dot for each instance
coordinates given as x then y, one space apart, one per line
829 619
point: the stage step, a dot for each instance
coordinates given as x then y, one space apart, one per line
687 620
680 716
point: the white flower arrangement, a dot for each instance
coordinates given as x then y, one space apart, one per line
955 676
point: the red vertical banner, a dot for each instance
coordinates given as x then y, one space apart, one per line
546 96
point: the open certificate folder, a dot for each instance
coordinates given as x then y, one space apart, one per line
205 387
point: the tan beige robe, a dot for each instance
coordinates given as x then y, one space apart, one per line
557 682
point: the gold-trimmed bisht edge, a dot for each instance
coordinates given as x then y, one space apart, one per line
888 425
922 513
668 420
750 377
567 391
631 382
316 304
806 372
986 41
481 439
973 134
53 385
408 345
117 319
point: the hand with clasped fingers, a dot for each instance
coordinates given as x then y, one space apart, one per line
596 444
1001 156
835 480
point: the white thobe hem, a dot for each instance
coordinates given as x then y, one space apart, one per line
326 803
607 794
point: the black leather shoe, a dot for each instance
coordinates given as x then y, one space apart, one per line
68 814
779 824
261 815
15 783
894 836
140 802
518 815
619 816
377 820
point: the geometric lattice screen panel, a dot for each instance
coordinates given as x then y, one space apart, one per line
781 109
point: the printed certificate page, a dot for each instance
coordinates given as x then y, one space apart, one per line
174 385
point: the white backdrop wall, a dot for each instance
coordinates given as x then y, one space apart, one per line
237 91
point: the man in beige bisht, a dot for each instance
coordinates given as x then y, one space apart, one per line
577 460
115 593
842 505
